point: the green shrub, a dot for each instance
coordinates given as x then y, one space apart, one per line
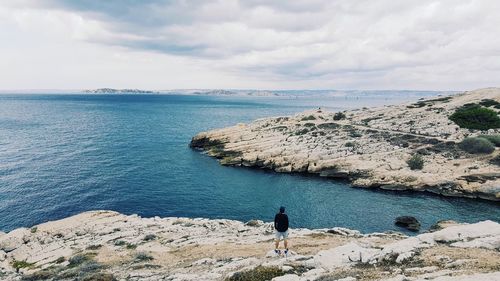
78 260
308 118
100 277
301 132
131 246
473 116
90 266
494 139
489 103
495 160
143 256
477 145
39 275
350 144
149 237
416 162
355 134
21 264
260 273
120 243
94 247
328 126
339 116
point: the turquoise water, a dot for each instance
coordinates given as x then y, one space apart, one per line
64 154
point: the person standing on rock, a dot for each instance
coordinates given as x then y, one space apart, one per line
281 227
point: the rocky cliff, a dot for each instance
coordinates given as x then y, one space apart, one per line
372 147
105 245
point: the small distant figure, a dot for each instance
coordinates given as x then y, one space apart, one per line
281 227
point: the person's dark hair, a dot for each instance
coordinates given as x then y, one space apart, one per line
282 209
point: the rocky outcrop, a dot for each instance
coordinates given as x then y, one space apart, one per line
105 245
369 147
408 222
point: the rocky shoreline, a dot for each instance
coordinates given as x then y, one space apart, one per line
106 245
371 147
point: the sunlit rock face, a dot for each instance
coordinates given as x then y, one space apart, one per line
371 147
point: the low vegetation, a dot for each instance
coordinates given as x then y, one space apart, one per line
141 256
416 162
490 103
350 144
94 247
149 237
308 118
474 116
260 273
431 102
120 243
339 116
78 260
301 132
21 264
496 160
100 277
477 146
494 139
39 275
131 246
87 272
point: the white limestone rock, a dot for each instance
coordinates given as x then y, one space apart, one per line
14 239
493 276
345 255
467 235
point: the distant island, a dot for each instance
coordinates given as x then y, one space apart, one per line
119 91
267 93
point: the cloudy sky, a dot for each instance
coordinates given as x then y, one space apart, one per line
299 44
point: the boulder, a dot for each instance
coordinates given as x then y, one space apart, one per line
14 239
408 222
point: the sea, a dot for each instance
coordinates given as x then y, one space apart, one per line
65 153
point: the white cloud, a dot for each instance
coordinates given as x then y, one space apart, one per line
250 44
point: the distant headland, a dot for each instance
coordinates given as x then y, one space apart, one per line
447 145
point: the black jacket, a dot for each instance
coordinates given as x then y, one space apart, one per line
281 222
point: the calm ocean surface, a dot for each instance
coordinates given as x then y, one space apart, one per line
64 154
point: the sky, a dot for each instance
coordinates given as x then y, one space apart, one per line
252 44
